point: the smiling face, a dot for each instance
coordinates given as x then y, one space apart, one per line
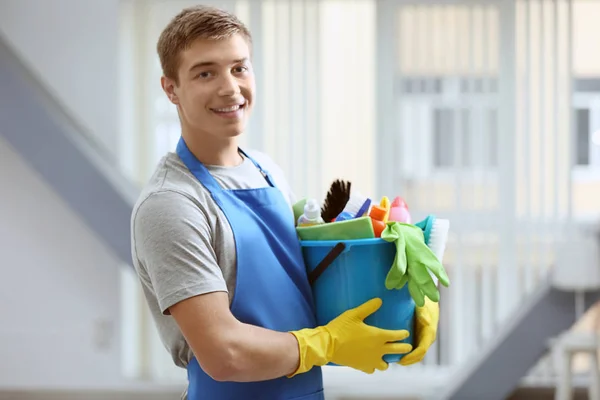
215 89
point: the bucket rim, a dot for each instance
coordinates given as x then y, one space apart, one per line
352 242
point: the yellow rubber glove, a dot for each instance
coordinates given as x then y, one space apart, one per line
426 326
348 341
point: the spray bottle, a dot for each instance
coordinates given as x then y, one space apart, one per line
399 211
377 215
311 215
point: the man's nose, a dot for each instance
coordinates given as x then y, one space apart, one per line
229 86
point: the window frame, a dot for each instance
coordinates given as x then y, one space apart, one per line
424 105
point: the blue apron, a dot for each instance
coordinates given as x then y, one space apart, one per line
272 289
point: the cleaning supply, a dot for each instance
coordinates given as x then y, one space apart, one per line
298 209
385 204
336 199
377 215
426 226
399 211
348 341
426 326
364 209
311 215
396 276
353 207
438 237
421 262
358 228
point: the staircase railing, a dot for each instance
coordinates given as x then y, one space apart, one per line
81 170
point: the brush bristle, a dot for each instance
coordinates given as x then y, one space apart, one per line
336 199
439 237
356 201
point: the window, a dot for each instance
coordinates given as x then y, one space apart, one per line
457 116
586 129
467 143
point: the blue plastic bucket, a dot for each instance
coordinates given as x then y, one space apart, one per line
356 276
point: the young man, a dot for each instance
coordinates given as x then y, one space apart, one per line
214 241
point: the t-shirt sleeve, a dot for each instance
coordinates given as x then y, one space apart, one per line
173 243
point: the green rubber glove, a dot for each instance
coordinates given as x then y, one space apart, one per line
420 263
396 277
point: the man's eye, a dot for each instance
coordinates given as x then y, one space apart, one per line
204 75
240 69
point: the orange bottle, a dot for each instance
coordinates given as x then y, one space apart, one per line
377 215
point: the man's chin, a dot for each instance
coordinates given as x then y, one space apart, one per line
232 132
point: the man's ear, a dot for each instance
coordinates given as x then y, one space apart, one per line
168 86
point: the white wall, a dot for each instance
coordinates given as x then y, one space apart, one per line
59 289
72 46
59 286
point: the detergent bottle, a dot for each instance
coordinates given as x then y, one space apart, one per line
311 215
377 215
399 211
385 204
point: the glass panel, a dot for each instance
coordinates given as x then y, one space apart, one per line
468 159
492 131
443 139
582 129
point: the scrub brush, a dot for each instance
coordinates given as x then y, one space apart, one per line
336 200
356 207
438 237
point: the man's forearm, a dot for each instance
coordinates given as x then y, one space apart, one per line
229 350
257 354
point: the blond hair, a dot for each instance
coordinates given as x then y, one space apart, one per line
191 24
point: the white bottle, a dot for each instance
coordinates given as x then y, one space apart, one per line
312 214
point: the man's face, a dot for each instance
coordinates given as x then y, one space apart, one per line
216 87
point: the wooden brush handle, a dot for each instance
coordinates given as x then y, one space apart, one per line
326 262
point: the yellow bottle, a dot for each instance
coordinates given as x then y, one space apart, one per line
385 204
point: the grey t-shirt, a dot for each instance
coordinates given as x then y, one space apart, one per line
182 243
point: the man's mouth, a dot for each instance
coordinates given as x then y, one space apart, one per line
231 112
229 109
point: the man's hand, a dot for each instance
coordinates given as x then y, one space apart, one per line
427 319
348 341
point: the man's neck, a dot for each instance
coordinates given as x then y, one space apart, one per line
212 152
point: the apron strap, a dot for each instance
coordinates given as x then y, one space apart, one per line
197 168
264 173
201 172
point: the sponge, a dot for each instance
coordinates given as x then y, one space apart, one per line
357 228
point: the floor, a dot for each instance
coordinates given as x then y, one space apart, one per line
545 394
521 394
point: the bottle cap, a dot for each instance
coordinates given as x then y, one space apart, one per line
312 209
377 212
399 202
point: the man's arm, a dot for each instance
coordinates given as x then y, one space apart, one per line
173 242
229 350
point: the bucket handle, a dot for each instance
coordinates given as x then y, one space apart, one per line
326 262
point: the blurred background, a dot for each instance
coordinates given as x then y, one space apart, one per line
483 112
